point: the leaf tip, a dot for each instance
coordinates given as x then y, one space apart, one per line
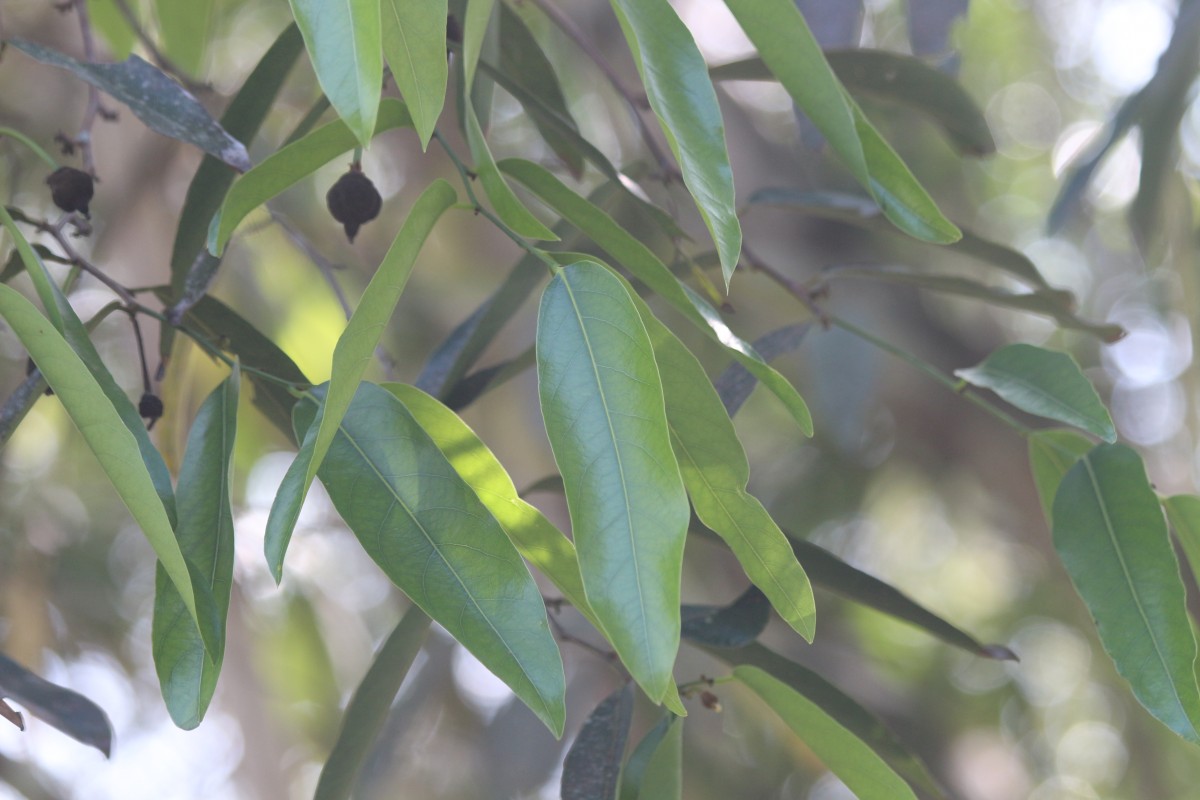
998 652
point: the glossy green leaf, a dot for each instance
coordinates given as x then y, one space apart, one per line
1111 537
154 98
535 537
186 672
648 268
186 29
1051 454
858 766
635 766
593 765
345 44
414 41
68 711
1045 383
369 706
602 402
830 572
716 473
682 96
789 50
290 165
1183 512
433 537
663 777
354 350
842 708
507 205
110 440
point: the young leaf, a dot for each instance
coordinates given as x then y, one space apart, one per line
1045 383
663 776
863 771
186 672
431 535
1111 537
830 572
646 267
788 48
158 101
683 99
715 472
1051 454
602 402
350 357
68 711
507 205
369 706
593 764
343 40
110 440
291 164
414 41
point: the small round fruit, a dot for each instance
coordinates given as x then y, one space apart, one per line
353 201
150 407
71 189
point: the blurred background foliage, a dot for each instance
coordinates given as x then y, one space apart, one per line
904 479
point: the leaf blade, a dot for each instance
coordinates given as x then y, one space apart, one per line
593 764
414 41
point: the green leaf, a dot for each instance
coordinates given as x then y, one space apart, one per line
186 672
154 98
351 355
1111 537
683 99
1183 512
414 41
735 625
593 764
602 402
830 572
535 537
68 711
649 269
369 706
715 473
291 164
1052 453
110 440
858 766
663 778
431 535
112 25
735 385
789 50
186 29
635 767
344 42
842 708
475 25
507 205
1045 383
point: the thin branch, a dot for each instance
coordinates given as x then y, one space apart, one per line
83 139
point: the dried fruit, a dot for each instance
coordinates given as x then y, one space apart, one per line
353 200
71 189
150 407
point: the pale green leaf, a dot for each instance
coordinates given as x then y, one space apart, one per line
507 205
414 41
186 30
1183 512
1051 454
663 778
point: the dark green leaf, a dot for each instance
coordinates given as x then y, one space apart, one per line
1045 383
291 164
635 766
847 755
186 672
593 764
414 41
433 537
1111 537
157 100
350 358
1051 454
68 711
735 625
736 383
602 402
369 706
682 96
344 42
830 572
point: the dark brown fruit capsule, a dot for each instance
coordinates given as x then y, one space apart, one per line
353 201
71 189
150 408
29 368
